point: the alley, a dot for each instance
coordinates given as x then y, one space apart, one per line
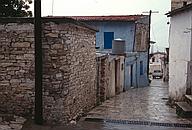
139 105
143 104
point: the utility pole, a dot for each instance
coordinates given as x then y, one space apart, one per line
38 63
149 40
52 6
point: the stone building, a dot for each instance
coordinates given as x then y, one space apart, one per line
69 68
134 29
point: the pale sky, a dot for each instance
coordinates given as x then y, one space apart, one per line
159 31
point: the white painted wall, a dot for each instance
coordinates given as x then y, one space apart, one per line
180 53
111 86
122 70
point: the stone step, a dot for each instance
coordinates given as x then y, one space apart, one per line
188 99
183 109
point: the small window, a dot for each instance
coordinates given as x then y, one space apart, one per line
153 59
141 67
108 38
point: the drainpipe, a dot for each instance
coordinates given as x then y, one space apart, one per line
38 64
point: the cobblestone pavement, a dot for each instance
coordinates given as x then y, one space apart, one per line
11 122
142 104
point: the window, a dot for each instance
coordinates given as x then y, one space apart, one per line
108 38
141 67
153 59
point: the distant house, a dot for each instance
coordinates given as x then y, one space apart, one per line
180 54
159 61
134 29
156 61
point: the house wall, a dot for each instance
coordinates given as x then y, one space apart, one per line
141 37
111 87
158 58
158 62
122 72
110 76
69 69
180 53
175 4
17 68
130 60
123 30
103 77
138 80
136 38
142 79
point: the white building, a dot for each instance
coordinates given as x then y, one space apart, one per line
180 55
156 61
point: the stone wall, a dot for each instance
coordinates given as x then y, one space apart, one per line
69 69
16 68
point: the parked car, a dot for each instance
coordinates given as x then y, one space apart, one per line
157 73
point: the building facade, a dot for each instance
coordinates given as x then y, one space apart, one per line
69 68
180 52
156 61
134 29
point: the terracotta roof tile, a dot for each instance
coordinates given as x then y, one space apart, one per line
108 18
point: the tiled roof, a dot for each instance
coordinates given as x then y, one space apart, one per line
108 18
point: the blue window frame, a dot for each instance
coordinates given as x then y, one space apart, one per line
141 68
108 38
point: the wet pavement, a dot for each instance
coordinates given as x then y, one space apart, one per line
83 125
147 104
141 104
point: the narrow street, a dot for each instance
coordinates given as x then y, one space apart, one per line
136 109
142 104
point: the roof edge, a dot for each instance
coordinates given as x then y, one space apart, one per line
100 18
179 10
45 19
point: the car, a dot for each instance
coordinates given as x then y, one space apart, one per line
157 73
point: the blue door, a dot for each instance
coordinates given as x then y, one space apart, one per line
108 37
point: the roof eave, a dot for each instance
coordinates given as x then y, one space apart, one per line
179 10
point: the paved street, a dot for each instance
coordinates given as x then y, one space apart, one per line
100 126
142 104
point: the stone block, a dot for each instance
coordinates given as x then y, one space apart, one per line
21 44
53 35
57 46
31 56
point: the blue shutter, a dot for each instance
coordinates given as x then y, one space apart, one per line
108 37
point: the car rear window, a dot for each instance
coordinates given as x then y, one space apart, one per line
157 71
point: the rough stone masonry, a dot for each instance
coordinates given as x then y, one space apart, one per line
69 68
